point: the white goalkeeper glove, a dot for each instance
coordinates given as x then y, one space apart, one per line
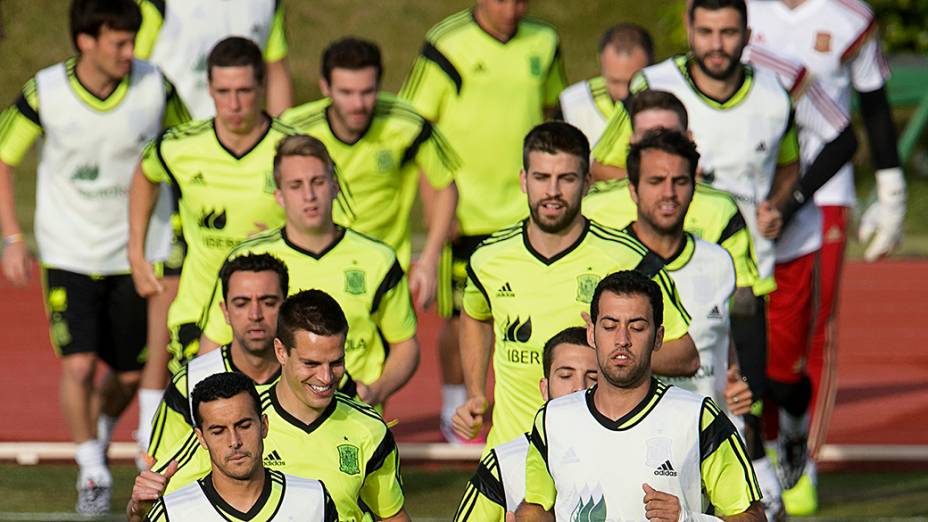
882 221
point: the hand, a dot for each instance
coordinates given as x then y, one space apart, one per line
149 486
468 418
882 221
738 396
17 263
423 282
370 393
660 506
769 220
144 279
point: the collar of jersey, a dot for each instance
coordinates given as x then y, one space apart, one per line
609 185
601 97
637 414
220 504
90 99
286 416
473 18
341 232
230 365
267 130
685 61
370 123
680 258
559 255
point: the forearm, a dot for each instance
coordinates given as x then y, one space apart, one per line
399 367
784 179
533 513
475 339
604 172
881 131
443 208
834 155
754 513
9 224
279 87
402 516
677 358
143 194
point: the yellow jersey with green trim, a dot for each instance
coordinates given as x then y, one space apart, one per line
529 298
361 273
588 106
464 78
674 440
223 198
379 171
742 140
713 216
178 35
498 485
284 497
173 421
89 150
349 448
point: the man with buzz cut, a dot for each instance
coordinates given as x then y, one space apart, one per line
239 488
380 143
362 274
221 171
314 430
94 113
476 66
677 448
532 279
624 50
498 486
253 288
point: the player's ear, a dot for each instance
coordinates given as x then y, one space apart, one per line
225 311
633 191
590 327
85 42
264 426
523 176
280 351
543 388
324 87
199 434
659 338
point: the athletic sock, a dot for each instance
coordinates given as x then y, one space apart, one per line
105 426
149 400
91 462
768 480
792 426
452 396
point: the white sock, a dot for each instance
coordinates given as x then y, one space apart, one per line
149 400
452 396
105 431
767 477
793 427
91 462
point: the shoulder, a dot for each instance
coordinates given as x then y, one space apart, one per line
719 258
362 419
681 397
537 27
450 26
308 115
608 187
708 196
292 481
615 238
258 242
500 241
384 253
768 82
398 113
186 131
852 11
283 128
576 92
791 72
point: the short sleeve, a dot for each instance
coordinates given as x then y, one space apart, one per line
152 20
484 497
175 111
435 156
153 168
392 307
158 512
20 126
433 78
277 47
382 490
676 318
727 475
818 113
476 301
539 484
736 239
866 62
556 81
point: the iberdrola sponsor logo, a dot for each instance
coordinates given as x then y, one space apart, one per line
86 173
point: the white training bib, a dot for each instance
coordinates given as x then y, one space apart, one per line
511 460
201 367
580 110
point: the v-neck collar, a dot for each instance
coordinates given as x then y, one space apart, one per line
678 259
287 416
340 233
641 410
221 505
560 255
239 157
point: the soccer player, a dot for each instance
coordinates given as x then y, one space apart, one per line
221 169
230 425
378 141
315 431
498 486
94 112
838 41
533 279
253 288
624 50
362 274
485 76
178 36
631 447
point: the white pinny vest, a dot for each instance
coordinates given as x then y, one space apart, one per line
511 459
580 110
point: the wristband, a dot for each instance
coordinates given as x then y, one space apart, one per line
13 239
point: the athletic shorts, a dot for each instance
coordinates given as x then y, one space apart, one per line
790 318
96 314
452 274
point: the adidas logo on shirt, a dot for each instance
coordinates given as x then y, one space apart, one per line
714 313
505 291
665 470
273 459
198 179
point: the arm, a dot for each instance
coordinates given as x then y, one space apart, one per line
605 172
440 207
402 516
16 259
143 194
484 498
279 87
533 513
397 370
540 491
476 342
149 487
677 358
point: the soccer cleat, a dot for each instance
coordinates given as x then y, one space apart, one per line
792 457
93 497
802 499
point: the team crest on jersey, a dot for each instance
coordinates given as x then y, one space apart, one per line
355 282
586 286
534 65
348 459
86 173
385 161
823 41
589 510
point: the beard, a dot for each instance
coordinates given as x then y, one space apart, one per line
559 224
733 63
629 378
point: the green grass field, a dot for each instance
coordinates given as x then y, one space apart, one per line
434 494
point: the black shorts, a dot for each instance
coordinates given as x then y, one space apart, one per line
452 274
96 314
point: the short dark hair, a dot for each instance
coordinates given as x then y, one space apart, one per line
648 100
353 54
571 335
669 141
222 386
90 16
311 311
254 263
303 145
630 282
557 136
715 5
237 51
626 37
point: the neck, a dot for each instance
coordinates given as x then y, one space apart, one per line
714 88
615 402
793 4
240 142
482 22
93 79
661 243
294 406
340 130
240 494
313 240
550 244
257 367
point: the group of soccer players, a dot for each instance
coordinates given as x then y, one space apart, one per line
249 272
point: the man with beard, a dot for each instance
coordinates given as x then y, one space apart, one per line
380 144
595 452
533 279
229 424
253 288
